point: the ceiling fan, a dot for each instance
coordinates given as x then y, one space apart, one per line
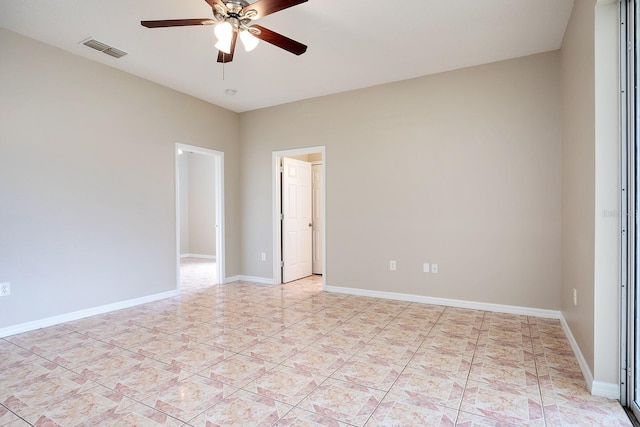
233 18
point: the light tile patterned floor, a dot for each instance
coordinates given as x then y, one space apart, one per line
254 355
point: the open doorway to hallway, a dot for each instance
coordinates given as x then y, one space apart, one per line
299 213
197 274
199 215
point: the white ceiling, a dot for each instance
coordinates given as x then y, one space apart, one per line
352 43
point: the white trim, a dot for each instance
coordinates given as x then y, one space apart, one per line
253 279
80 314
596 388
276 198
608 390
499 308
584 366
212 257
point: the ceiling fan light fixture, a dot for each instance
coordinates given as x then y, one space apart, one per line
224 32
249 41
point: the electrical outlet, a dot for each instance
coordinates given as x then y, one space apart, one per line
264 256
575 297
392 265
434 268
5 289
425 267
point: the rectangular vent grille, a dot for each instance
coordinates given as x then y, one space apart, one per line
104 48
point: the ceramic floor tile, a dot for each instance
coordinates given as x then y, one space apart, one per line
133 337
149 377
162 348
346 346
509 403
196 357
557 389
466 419
6 416
581 415
507 354
364 332
299 334
235 341
462 330
327 353
402 335
136 414
78 355
349 403
506 338
204 332
101 329
76 409
300 418
18 423
427 386
108 369
23 366
383 351
237 370
52 345
272 350
189 397
242 409
31 338
442 362
288 385
378 374
315 359
394 411
33 396
501 372
449 344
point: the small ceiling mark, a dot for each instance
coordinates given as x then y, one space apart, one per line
230 91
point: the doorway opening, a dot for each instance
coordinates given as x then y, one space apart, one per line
299 213
199 214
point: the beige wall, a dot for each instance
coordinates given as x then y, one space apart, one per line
460 169
578 175
87 181
591 188
183 190
202 205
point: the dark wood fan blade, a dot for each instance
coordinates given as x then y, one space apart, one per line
177 22
267 7
213 2
228 57
279 40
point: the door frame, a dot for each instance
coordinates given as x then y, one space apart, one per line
218 157
276 198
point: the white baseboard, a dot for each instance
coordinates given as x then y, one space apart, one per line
584 366
499 308
261 280
211 257
54 320
609 390
597 388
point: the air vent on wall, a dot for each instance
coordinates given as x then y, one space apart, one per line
104 48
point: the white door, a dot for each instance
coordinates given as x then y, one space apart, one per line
316 185
296 223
